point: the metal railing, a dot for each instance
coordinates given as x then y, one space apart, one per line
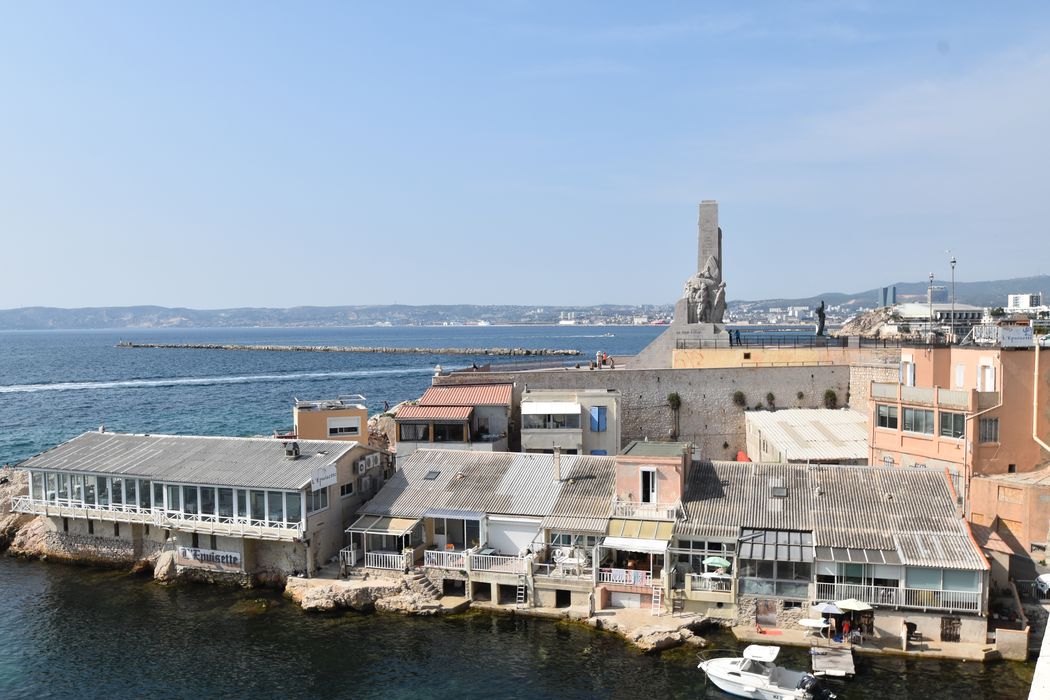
626 577
497 563
562 571
443 559
391 561
699 583
637 509
123 512
954 601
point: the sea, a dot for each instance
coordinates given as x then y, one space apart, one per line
73 632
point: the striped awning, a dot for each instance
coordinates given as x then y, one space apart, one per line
451 413
640 529
382 525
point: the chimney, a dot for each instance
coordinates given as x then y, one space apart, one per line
291 450
557 464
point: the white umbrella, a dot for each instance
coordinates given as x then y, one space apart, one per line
827 609
853 604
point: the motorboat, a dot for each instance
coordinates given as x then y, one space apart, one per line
754 675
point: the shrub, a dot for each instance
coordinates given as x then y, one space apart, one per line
739 399
831 399
674 400
799 396
770 399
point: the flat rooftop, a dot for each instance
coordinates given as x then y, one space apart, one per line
642 448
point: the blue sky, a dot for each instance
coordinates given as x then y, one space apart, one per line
279 154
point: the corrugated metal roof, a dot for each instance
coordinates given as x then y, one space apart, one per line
468 395
499 483
222 461
813 433
646 448
459 413
1040 477
908 511
379 525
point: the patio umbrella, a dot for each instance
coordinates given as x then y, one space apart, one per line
717 562
853 604
827 609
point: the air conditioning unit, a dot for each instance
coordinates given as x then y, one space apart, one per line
362 466
373 459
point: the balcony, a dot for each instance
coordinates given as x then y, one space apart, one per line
497 564
445 559
390 561
714 589
645 511
950 601
187 522
626 577
549 438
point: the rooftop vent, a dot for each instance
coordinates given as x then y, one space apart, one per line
291 450
778 491
431 476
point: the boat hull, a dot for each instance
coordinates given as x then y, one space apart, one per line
744 687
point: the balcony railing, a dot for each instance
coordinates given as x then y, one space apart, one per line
717 584
625 577
563 571
127 513
496 563
444 559
953 601
391 561
637 509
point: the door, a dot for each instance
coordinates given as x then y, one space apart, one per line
625 600
766 613
950 627
648 486
440 538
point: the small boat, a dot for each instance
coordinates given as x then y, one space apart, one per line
755 676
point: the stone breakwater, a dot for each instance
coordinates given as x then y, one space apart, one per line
510 352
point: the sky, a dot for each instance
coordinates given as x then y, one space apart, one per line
214 155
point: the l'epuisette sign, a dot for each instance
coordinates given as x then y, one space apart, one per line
323 477
211 559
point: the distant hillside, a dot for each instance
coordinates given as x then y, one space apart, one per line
992 293
44 318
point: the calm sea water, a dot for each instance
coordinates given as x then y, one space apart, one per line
54 385
67 632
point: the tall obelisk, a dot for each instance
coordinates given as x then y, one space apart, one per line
709 239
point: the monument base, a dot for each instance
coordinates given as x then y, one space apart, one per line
659 354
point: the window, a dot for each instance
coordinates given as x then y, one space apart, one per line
598 418
214 542
953 425
1011 469
1009 494
242 503
189 500
414 432
338 427
599 453
293 507
103 490
316 500
554 421
887 416
65 524
173 497
568 539
918 420
225 503
207 500
116 529
907 373
648 491
347 489
781 578
989 430
118 490
91 527
258 505
158 495
275 506
960 376
196 541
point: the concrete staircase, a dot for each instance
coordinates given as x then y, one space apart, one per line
419 583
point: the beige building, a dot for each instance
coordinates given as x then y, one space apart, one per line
585 421
464 417
344 418
256 509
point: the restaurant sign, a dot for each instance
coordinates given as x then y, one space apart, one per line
323 477
211 559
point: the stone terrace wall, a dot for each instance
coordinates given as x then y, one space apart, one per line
708 417
878 366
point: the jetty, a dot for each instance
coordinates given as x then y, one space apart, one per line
515 352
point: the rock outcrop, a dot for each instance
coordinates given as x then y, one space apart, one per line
322 595
12 483
662 634
164 569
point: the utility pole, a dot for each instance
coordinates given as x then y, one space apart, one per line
929 298
952 261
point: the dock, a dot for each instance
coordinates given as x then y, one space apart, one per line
513 352
832 661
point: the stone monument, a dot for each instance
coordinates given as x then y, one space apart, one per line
699 313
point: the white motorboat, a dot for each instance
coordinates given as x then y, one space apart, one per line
754 675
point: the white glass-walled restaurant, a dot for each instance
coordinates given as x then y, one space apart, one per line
219 504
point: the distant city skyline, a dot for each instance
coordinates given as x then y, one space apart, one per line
260 155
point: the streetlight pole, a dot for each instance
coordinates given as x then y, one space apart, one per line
929 298
952 261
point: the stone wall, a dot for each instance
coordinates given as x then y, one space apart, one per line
882 366
787 618
708 416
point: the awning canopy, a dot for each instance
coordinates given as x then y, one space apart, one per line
382 525
543 408
446 413
861 556
455 514
641 529
633 544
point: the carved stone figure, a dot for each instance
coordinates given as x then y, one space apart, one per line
703 306
820 318
718 310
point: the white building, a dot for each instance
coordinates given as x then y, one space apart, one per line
584 422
